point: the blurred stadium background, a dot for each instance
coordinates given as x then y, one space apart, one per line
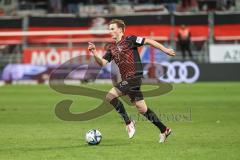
37 36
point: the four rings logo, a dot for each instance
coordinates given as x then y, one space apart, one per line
176 72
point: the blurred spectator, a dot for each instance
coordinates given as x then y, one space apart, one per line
184 40
55 6
172 5
209 5
101 2
71 6
1 12
230 4
186 3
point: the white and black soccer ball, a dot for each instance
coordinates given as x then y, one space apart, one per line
93 137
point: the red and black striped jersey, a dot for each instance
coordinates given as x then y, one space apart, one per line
126 56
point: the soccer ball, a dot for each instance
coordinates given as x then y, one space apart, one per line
93 137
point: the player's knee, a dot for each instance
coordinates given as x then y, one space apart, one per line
109 97
141 108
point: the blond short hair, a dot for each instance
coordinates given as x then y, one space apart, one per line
120 23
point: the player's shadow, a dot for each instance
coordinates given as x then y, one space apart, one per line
42 148
84 145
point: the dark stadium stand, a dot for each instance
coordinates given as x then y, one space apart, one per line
226 26
10 24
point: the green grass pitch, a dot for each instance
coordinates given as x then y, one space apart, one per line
204 117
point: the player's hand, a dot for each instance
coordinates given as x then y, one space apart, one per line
171 52
91 47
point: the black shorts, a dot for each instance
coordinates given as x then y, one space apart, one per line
132 88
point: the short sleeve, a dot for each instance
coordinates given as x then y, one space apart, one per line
108 56
136 41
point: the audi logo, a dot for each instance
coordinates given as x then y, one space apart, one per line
176 72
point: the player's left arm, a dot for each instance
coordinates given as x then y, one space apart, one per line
157 45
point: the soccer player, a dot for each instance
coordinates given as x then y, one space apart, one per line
125 54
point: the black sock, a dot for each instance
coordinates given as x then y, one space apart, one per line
120 109
151 116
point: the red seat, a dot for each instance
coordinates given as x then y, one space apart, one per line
227 32
10 39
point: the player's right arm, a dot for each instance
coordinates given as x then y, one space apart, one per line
92 48
157 45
